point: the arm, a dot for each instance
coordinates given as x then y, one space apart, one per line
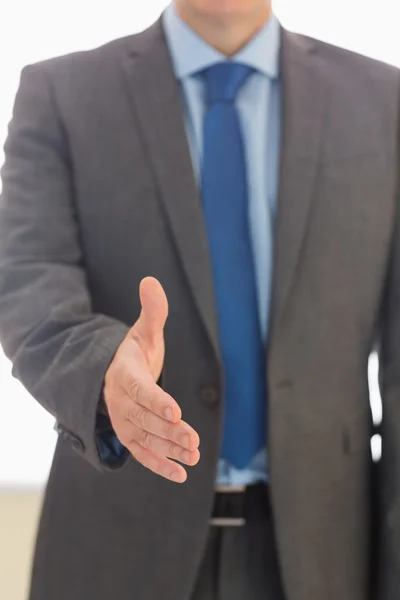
59 348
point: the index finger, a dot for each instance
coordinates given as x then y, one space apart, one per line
149 395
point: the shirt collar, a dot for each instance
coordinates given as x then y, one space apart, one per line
191 54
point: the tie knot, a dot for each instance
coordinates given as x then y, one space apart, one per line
224 80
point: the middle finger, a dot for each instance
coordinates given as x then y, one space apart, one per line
180 433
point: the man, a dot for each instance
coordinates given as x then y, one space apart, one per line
244 179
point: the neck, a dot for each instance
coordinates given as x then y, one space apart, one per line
226 33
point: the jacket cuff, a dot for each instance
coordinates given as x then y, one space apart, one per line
81 429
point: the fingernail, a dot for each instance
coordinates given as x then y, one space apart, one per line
186 441
168 414
186 456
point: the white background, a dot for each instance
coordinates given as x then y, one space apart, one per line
32 31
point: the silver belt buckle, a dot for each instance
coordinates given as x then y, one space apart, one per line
228 522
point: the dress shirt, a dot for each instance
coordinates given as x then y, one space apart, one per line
258 104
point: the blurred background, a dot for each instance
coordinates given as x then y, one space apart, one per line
33 31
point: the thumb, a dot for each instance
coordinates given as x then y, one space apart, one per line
154 313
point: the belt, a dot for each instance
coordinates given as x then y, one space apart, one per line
236 506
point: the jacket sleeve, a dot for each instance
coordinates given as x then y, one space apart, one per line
59 348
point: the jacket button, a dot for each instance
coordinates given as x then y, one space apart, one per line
77 444
210 396
58 428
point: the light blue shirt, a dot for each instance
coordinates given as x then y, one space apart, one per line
258 104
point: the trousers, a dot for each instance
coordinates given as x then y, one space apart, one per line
240 563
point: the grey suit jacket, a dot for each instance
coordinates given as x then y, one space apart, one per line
98 193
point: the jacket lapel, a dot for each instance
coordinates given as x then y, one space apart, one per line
156 100
303 93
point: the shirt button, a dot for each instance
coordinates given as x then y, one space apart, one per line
210 396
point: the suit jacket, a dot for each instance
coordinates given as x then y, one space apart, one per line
98 193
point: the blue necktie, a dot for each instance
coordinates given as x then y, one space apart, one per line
225 203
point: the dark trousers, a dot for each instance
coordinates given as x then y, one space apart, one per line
240 563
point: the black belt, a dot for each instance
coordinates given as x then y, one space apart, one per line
236 506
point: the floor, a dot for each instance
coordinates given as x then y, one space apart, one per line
19 512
